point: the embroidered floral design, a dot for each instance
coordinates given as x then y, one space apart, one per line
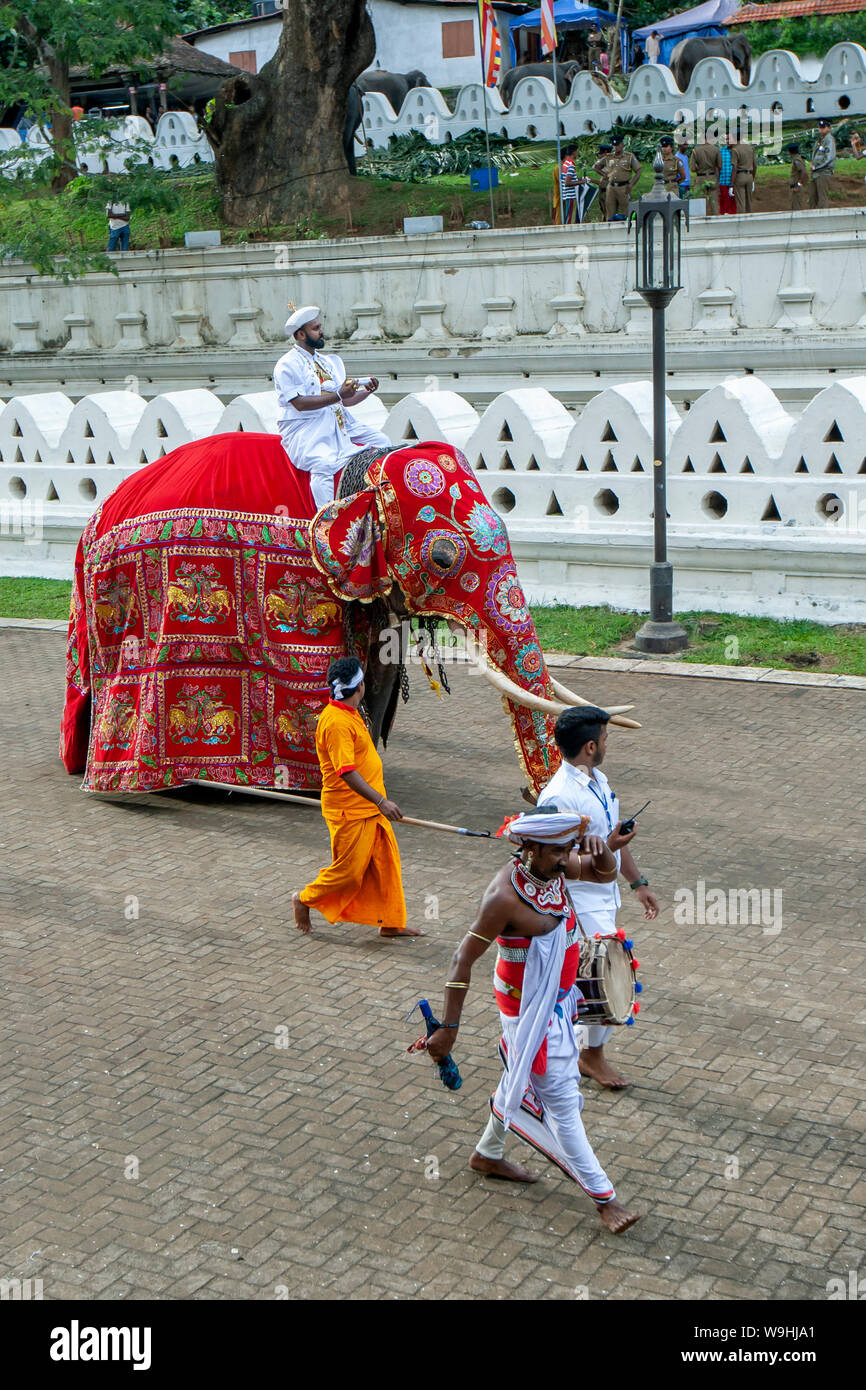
529 662
469 582
424 479
506 601
486 530
427 514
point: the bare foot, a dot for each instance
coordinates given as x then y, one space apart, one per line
500 1168
407 931
616 1218
594 1064
302 915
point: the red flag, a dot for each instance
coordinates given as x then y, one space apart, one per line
491 52
548 27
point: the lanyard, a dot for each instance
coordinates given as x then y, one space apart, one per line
600 796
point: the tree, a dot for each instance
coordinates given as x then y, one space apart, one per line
49 37
278 136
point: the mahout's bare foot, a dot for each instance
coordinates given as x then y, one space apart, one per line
407 931
616 1218
302 915
500 1168
594 1064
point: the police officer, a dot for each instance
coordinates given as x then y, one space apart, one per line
623 172
743 169
600 168
706 165
671 172
798 180
823 164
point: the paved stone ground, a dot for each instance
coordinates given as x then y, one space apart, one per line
150 1045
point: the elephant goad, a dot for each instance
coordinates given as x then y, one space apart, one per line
210 598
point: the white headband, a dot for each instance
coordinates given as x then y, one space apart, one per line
340 689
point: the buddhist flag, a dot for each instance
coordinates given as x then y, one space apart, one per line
491 53
548 27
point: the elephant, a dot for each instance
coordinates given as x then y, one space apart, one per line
350 128
565 75
395 86
408 535
689 52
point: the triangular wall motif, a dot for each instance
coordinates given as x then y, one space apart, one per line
110 458
833 465
51 495
747 466
717 466
240 428
608 433
19 457
90 461
688 466
480 465
88 432
532 466
553 507
801 466
69 458
582 465
142 459
505 435
37 457
16 431
161 431
718 435
609 465
637 466
862 468
771 512
506 463
834 434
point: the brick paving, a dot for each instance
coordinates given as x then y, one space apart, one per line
158 1140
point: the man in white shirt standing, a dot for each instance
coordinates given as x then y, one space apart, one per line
118 215
652 47
580 786
319 432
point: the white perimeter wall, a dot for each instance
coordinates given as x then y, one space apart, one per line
767 511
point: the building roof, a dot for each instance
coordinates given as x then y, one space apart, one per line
711 13
179 56
793 9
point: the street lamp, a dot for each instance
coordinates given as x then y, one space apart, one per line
658 218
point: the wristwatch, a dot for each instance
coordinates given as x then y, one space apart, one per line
640 883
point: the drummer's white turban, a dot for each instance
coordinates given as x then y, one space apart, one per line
548 828
300 317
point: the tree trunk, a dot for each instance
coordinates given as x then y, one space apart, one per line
61 122
278 136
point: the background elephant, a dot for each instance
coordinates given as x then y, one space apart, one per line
565 74
689 52
353 121
393 85
414 537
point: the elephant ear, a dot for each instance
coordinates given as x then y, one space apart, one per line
348 546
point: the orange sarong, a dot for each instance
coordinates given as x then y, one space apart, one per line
363 882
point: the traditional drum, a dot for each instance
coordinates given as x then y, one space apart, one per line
606 979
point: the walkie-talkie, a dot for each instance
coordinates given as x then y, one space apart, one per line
628 825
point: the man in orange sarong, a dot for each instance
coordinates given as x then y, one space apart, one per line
363 882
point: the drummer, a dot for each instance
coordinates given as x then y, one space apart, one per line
580 786
527 910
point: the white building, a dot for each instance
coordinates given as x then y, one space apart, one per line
438 36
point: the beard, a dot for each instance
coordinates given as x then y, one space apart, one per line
313 342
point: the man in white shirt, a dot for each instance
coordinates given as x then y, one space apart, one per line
580 786
653 47
118 215
319 432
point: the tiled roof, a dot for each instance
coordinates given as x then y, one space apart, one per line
791 9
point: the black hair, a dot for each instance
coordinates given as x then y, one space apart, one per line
792 149
343 669
603 148
666 140
577 726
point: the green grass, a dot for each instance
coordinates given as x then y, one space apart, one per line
796 646
717 638
34 598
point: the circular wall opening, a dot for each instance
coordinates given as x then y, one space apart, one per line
532 132
715 505
17 487
830 507
503 499
87 488
606 502
844 103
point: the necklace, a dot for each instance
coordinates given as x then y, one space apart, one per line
547 895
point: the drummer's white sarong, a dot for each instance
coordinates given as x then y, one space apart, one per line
549 1116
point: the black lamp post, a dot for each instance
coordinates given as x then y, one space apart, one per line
658 218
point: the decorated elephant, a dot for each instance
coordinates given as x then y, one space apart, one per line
689 52
236 701
565 75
